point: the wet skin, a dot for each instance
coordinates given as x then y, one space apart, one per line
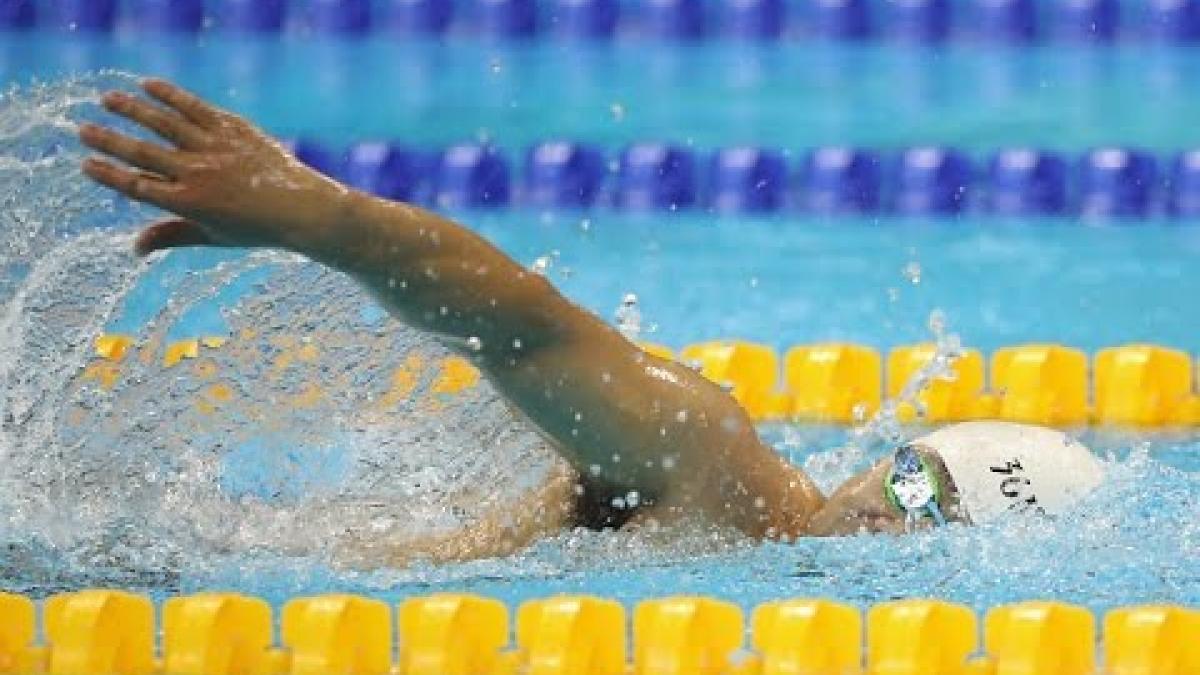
624 421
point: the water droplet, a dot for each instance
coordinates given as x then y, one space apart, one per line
937 322
516 343
594 469
496 66
616 459
681 416
912 272
859 412
618 111
606 377
629 317
668 462
474 343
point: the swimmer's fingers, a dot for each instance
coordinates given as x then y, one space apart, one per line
167 124
134 184
186 103
171 233
135 152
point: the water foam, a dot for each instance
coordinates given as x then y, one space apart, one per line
317 421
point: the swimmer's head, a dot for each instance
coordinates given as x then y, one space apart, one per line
983 472
1002 469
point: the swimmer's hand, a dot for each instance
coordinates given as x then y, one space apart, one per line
229 183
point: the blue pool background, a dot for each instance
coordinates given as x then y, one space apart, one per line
1096 284
781 280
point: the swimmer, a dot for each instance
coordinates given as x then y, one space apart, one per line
646 440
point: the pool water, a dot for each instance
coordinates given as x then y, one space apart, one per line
790 96
132 487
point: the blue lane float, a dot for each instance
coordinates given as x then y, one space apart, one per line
506 18
1116 182
560 174
387 169
1185 185
251 16
840 181
673 19
747 180
751 19
1004 20
17 14
1173 20
585 19
1086 20
932 181
1026 182
917 20
88 16
656 176
839 19
471 176
419 17
316 155
340 17
170 16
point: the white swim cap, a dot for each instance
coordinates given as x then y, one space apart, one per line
1002 467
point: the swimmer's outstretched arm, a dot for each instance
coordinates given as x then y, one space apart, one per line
639 428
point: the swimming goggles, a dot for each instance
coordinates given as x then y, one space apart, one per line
913 487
